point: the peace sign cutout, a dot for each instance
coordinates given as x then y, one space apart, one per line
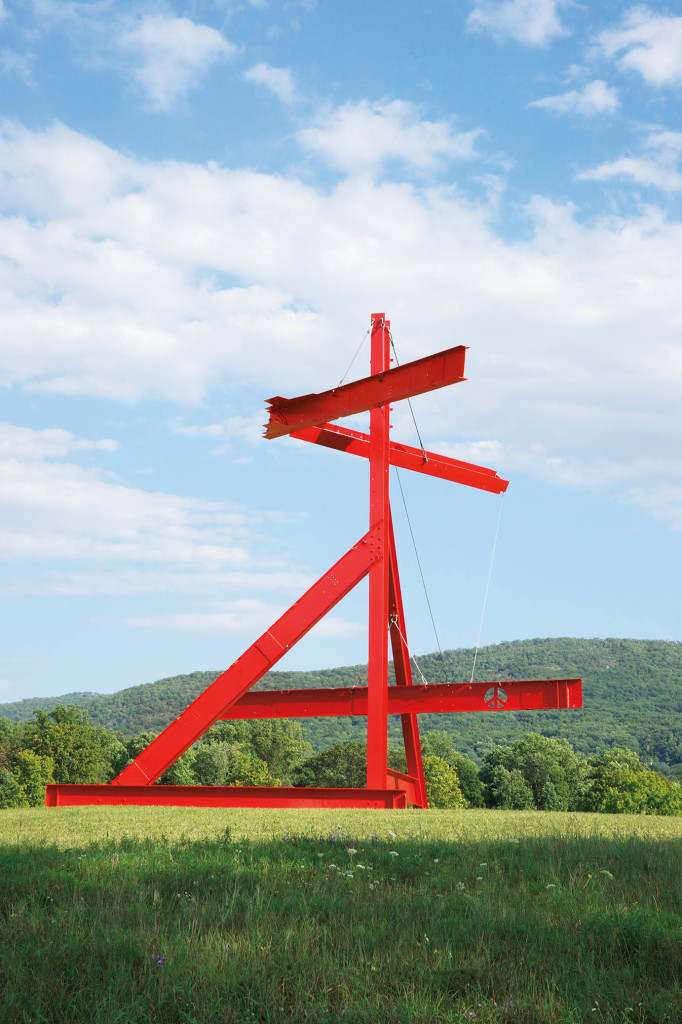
495 697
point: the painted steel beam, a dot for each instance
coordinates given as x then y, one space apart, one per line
403 672
379 512
217 698
415 378
63 795
319 702
331 435
413 788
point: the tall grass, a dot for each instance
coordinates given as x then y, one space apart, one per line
132 915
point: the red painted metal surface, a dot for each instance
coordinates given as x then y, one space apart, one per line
403 672
375 554
410 786
438 699
377 662
384 386
354 442
62 795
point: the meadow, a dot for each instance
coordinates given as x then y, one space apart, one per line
140 915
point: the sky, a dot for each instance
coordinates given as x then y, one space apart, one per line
203 203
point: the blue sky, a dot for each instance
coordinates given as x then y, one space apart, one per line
203 202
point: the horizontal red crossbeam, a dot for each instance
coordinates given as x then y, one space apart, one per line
319 702
331 435
63 795
415 378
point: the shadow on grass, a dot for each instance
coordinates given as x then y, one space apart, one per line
335 928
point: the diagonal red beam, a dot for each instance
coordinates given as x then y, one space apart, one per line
343 439
403 671
320 702
217 698
415 378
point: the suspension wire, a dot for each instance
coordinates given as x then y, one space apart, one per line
394 622
414 420
421 573
357 353
487 587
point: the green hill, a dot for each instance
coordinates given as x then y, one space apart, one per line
632 697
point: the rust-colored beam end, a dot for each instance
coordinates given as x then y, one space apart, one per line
276 419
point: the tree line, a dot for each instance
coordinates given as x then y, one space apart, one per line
534 772
632 697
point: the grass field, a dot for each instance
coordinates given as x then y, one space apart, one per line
132 916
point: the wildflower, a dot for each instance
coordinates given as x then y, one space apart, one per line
436 860
351 850
156 959
550 886
393 879
393 853
332 866
361 866
479 878
471 1013
460 886
320 855
607 874
484 864
513 840
392 834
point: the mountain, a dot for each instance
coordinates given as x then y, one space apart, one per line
632 696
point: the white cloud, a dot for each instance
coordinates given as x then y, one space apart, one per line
531 22
173 53
125 278
151 542
249 616
24 443
647 42
657 167
364 136
279 81
639 169
3 11
664 503
163 55
241 429
567 470
62 510
19 65
594 98
127 581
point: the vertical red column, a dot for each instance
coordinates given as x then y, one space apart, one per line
377 681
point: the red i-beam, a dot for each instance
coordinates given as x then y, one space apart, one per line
306 418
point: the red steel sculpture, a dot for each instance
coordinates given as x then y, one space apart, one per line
374 555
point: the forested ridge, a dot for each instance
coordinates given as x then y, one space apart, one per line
632 698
